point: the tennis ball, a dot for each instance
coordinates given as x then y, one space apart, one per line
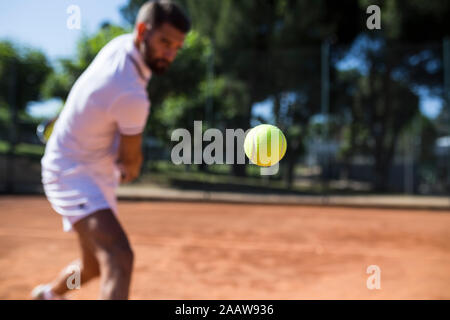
265 145
48 130
44 130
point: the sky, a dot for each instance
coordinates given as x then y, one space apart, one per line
42 24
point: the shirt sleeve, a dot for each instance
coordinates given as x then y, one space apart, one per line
130 111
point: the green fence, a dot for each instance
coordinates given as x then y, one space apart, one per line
370 118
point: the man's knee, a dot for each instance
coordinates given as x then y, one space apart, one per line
118 253
105 236
119 258
89 271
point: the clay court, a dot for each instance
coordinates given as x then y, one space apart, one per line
189 250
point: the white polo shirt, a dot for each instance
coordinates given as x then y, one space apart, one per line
108 99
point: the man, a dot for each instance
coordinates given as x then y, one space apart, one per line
96 143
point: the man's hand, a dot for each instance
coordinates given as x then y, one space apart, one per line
130 157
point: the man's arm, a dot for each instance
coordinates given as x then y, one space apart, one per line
130 157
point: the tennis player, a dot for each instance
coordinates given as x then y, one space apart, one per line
96 144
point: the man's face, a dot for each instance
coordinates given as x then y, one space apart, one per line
160 46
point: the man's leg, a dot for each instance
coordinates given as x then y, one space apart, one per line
89 269
105 238
88 266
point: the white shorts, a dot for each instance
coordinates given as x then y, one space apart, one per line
79 191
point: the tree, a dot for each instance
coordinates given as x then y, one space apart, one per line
382 108
178 97
258 44
22 72
271 48
62 79
442 121
398 60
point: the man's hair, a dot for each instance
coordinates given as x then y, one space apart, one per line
157 12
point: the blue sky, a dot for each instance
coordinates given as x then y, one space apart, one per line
42 23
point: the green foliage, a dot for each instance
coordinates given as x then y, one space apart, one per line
412 21
424 133
442 121
185 73
130 10
176 97
22 72
89 46
23 149
60 82
270 50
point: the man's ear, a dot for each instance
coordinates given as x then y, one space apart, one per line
141 28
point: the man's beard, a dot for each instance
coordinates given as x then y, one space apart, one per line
157 65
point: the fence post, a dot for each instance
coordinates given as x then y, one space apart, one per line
325 100
446 54
12 128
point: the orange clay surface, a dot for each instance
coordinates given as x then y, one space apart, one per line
188 250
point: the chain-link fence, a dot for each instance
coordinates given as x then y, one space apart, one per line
363 119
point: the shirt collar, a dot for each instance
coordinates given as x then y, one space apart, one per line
139 62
